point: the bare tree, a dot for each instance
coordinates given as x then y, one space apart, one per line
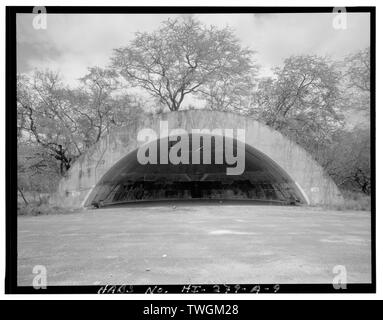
301 101
358 69
98 106
68 121
45 116
229 93
183 57
356 85
348 160
37 170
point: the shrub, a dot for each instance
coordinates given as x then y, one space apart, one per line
354 201
36 209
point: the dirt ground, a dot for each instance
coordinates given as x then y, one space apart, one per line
199 244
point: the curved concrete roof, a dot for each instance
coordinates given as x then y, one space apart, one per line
309 177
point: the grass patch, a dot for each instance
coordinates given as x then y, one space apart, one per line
37 209
354 201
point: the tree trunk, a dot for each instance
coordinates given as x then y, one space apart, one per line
22 195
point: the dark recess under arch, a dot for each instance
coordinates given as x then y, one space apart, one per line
262 180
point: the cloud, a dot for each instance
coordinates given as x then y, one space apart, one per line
73 42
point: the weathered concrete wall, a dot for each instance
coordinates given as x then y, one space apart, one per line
310 177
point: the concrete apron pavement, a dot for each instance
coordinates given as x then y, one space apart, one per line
200 244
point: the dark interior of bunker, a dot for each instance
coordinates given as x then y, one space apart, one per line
262 179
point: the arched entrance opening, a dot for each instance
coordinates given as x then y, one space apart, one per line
262 179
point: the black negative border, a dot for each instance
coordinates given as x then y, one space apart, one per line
11 144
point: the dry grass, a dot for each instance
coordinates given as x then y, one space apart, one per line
37 209
354 201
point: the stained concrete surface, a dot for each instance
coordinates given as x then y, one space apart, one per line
195 244
81 184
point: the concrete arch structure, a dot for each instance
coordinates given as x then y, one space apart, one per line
79 186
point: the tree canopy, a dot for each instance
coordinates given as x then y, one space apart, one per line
309 98
64 121
301 100
183 57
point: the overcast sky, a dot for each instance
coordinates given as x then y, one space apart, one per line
73 42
